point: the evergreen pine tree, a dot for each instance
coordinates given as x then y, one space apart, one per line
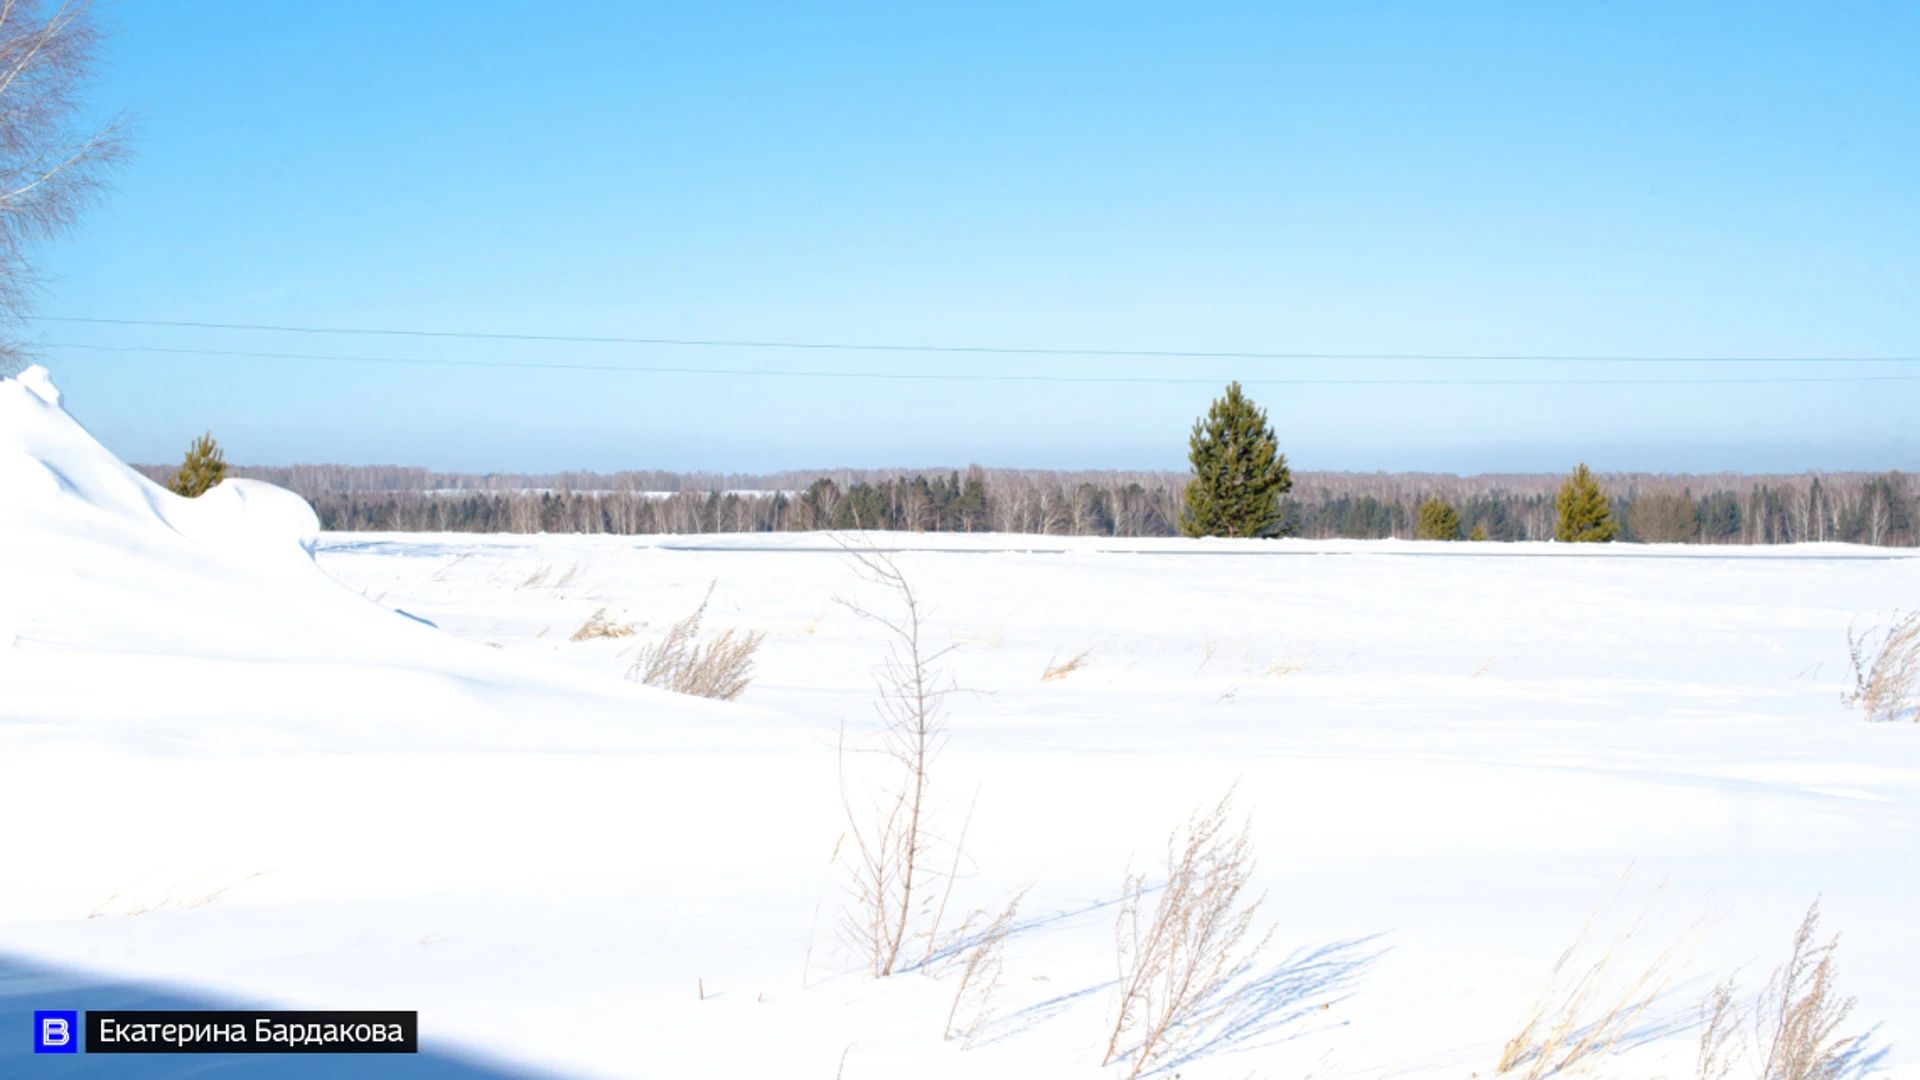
1585 517
1239 473
1438 521
205 466
1479 532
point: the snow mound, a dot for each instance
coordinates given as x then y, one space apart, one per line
188 620
248 519
54 472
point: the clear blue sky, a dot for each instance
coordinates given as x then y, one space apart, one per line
1640 179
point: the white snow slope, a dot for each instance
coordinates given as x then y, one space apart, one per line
236 775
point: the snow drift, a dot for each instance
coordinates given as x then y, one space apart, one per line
206 618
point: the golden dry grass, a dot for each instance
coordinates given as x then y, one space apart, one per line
1886 669
600 625
1791 1031
721 668
1800 1012
1056 672
1592 998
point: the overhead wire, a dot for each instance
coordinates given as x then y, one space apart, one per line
1256 379
995 350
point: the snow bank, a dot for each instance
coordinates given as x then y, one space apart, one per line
57 481
192 621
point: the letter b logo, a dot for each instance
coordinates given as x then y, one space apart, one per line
56 1032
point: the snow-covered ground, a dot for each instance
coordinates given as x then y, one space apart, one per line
383 777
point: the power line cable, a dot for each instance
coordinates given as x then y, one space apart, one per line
970 376
970 349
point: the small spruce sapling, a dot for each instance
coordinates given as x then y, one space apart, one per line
204 467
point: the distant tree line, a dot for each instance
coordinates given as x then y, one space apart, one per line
1712 509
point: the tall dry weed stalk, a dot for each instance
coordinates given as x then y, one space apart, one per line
893 838
1590 1002
1886 669
721 668
1795 1021
1720 1024
980 971
1178 959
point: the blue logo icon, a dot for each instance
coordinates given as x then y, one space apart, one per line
56 1031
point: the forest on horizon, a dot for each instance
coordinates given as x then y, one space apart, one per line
1726 508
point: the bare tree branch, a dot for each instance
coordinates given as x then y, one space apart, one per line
53 165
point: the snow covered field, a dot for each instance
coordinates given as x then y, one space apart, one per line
384 777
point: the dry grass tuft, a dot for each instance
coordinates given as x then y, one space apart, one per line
598 625
1281 668
1886 669
1178 961
1795 1021
1056 672
980 974
720 669
1800 1013
1588 1006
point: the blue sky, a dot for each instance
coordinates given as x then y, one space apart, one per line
1621 179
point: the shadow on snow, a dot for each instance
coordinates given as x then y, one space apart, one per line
1260 1007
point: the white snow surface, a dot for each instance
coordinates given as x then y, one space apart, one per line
246 762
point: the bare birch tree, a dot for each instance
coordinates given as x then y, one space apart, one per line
1879 514
52 165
